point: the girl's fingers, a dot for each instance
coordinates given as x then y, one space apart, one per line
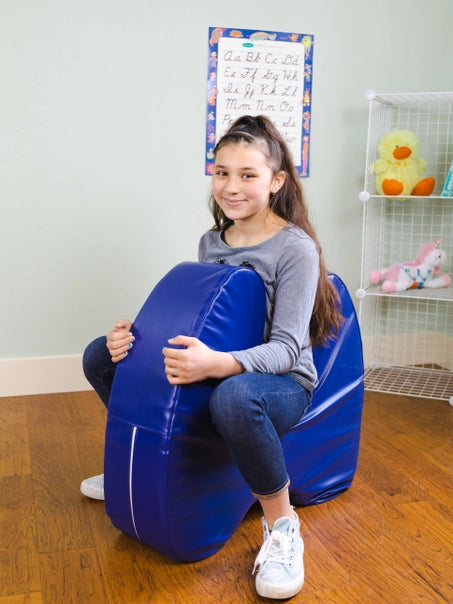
119 349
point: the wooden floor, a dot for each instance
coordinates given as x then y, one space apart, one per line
388 539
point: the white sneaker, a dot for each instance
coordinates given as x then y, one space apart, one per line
93 487
280 560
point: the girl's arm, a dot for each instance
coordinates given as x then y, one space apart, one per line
292 308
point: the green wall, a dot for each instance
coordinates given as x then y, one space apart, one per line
102 113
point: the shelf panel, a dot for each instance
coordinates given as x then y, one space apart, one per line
420 382
407 198
425 293
414 98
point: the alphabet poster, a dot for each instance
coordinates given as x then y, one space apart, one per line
260 73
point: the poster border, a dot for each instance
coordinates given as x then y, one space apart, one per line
307 40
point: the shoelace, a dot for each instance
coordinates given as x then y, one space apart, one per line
276 548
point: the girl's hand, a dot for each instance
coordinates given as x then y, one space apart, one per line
196 362
120 340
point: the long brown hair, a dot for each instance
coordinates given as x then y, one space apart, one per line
288 203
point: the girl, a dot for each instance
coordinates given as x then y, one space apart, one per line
261 220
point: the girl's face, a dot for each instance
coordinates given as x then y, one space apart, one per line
243 181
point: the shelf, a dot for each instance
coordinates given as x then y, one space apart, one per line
407 336
420 382
409 199
441 293
415 98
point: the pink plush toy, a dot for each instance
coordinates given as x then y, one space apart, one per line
424 271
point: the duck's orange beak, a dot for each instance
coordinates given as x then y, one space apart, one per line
402 152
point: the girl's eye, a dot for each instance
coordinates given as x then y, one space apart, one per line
220 173
247 176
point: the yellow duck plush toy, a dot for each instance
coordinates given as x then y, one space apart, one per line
399 170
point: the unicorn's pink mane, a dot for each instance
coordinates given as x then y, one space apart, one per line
425 251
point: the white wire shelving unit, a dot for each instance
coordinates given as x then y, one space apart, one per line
408 336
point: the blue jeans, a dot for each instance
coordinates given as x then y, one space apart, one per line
250 411
98 368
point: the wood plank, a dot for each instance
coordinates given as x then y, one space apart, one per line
30 598
427 456
344 595
72 576
371 538
429 530
14 452
323 573
62 523
19 569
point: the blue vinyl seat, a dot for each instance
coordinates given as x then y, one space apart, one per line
170 481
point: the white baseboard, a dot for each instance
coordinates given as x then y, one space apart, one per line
42 375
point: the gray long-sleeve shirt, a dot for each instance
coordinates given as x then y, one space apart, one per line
288 263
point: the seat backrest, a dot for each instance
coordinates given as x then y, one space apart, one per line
162 455
322 449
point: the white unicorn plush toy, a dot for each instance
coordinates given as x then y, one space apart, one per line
424 271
